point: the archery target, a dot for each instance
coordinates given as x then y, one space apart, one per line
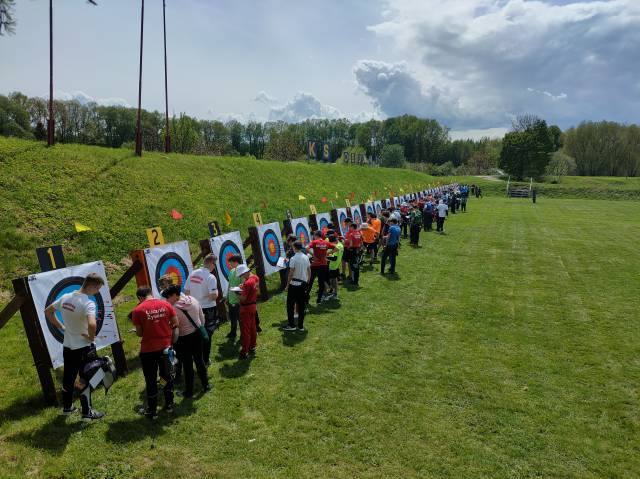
369 207
271 246
173 259
342 216
223 247
48 287
323 220
356 214
300 228
378 207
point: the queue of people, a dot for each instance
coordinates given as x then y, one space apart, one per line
176 328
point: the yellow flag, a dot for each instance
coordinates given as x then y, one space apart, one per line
401 190
301 198
336 194
227 218
80 227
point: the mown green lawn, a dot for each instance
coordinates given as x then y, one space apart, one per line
506 348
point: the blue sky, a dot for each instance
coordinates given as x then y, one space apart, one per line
471 64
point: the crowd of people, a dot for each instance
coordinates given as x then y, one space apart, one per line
176 328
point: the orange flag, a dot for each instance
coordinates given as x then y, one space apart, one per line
176 215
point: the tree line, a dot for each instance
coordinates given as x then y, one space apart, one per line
531 148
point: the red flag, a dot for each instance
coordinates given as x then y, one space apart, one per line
353 195
324 199
176 215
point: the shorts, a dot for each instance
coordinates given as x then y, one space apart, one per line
334 273
347 256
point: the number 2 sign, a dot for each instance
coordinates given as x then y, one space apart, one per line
155 236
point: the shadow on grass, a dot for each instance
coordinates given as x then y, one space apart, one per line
22 407
227 350
53 436
391 276
237 369
291 338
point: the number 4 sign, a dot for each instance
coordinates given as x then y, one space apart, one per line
155 236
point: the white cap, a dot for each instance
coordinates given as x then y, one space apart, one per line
242 269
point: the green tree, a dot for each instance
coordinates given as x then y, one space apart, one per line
527 149
560 165
392 156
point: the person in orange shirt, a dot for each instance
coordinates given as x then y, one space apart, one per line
375 224
368 239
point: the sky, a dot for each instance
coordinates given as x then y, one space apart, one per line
471 64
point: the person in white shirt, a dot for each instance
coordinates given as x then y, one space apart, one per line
442 213
297 283
203 285
78 313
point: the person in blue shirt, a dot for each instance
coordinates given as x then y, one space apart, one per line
392 242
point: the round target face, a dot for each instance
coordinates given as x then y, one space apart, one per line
173 265
378 209
357 217
302 233
324 223
227 250
271 247
69 285
342 219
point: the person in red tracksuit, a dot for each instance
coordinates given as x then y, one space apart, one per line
248 295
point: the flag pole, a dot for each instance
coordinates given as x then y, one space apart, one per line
51 122
167 135
138 129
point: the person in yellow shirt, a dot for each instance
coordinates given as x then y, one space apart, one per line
375 225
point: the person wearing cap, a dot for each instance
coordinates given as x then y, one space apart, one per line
248 295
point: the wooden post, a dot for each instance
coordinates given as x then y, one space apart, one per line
37 344
254 242
11 309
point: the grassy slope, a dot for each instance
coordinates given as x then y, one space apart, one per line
508 348
43 191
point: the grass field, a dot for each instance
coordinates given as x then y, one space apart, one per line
506 348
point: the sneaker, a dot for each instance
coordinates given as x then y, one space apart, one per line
207 388
147 413
184 395
289 328
243 356
169 409
258 329
252 351
301 329
68 412
92 416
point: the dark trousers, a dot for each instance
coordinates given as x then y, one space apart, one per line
296 295
354 265
440 224
415 234
74 362
210 323
463 207
234 317
405 226
152 363
189 350
322 273
428 222
390 252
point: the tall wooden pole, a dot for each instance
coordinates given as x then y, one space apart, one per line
51 122
138 127
167 134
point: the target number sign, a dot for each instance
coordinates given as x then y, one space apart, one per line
347 202
313 210
172 259
46 288
155 236
270 238
257 219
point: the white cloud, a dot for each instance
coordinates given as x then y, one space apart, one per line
478 134
480 56
84 99
302 107
264 97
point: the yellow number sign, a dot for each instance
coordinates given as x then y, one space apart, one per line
313 209
155 236
257 219
347 202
